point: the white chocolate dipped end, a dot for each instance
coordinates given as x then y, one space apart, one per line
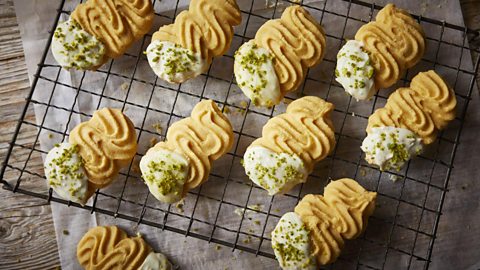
354 70
165 173
156 261
65 173
391 147
291 244
255 75
173 63
276 173
73 47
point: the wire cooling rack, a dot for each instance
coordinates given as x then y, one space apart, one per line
240 215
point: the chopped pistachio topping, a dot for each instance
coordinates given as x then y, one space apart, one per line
174 63
255 74
291 243
354 70
391 147
73 47
165 172
65 173
276 173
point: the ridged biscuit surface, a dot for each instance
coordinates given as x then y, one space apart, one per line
305 129
205 28
109 248
424 108
297 42
341 213
106 142
117 23
394 41
203 137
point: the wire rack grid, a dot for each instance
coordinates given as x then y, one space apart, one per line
403 228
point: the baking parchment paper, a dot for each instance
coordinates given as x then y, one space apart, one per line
35 19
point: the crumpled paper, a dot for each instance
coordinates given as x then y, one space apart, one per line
36 17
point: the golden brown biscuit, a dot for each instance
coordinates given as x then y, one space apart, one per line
426 107
98 30
183 161
117 23
395 42
315 233
184 49
109 247
295 140
341 213
411 119
380 53
106 142
292 44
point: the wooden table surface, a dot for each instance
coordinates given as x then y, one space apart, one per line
27 235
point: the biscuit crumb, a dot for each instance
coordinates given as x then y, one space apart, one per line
65 232
226 110
363 172
153 141
180 205
124 86
158 128
50 135
218 247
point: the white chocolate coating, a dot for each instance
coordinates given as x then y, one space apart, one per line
74 47
391 147
173 63
156 261
165 173
274 172
255 75
291 244
65 173
354 70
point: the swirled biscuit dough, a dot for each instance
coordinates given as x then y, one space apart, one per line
341 213
109 247
203 31
394 42
100 29
295 42
117 23
424 108
106 142
304 132
191 145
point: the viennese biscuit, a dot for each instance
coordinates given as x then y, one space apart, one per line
380 53
315 233
275 62
109 247
290 145
410 120
96 151
184 49
183 161
100 29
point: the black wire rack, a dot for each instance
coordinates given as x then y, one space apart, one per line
402 231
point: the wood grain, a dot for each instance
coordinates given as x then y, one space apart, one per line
27 235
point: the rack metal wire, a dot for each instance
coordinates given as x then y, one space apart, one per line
404 226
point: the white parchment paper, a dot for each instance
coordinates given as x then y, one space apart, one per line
35 19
